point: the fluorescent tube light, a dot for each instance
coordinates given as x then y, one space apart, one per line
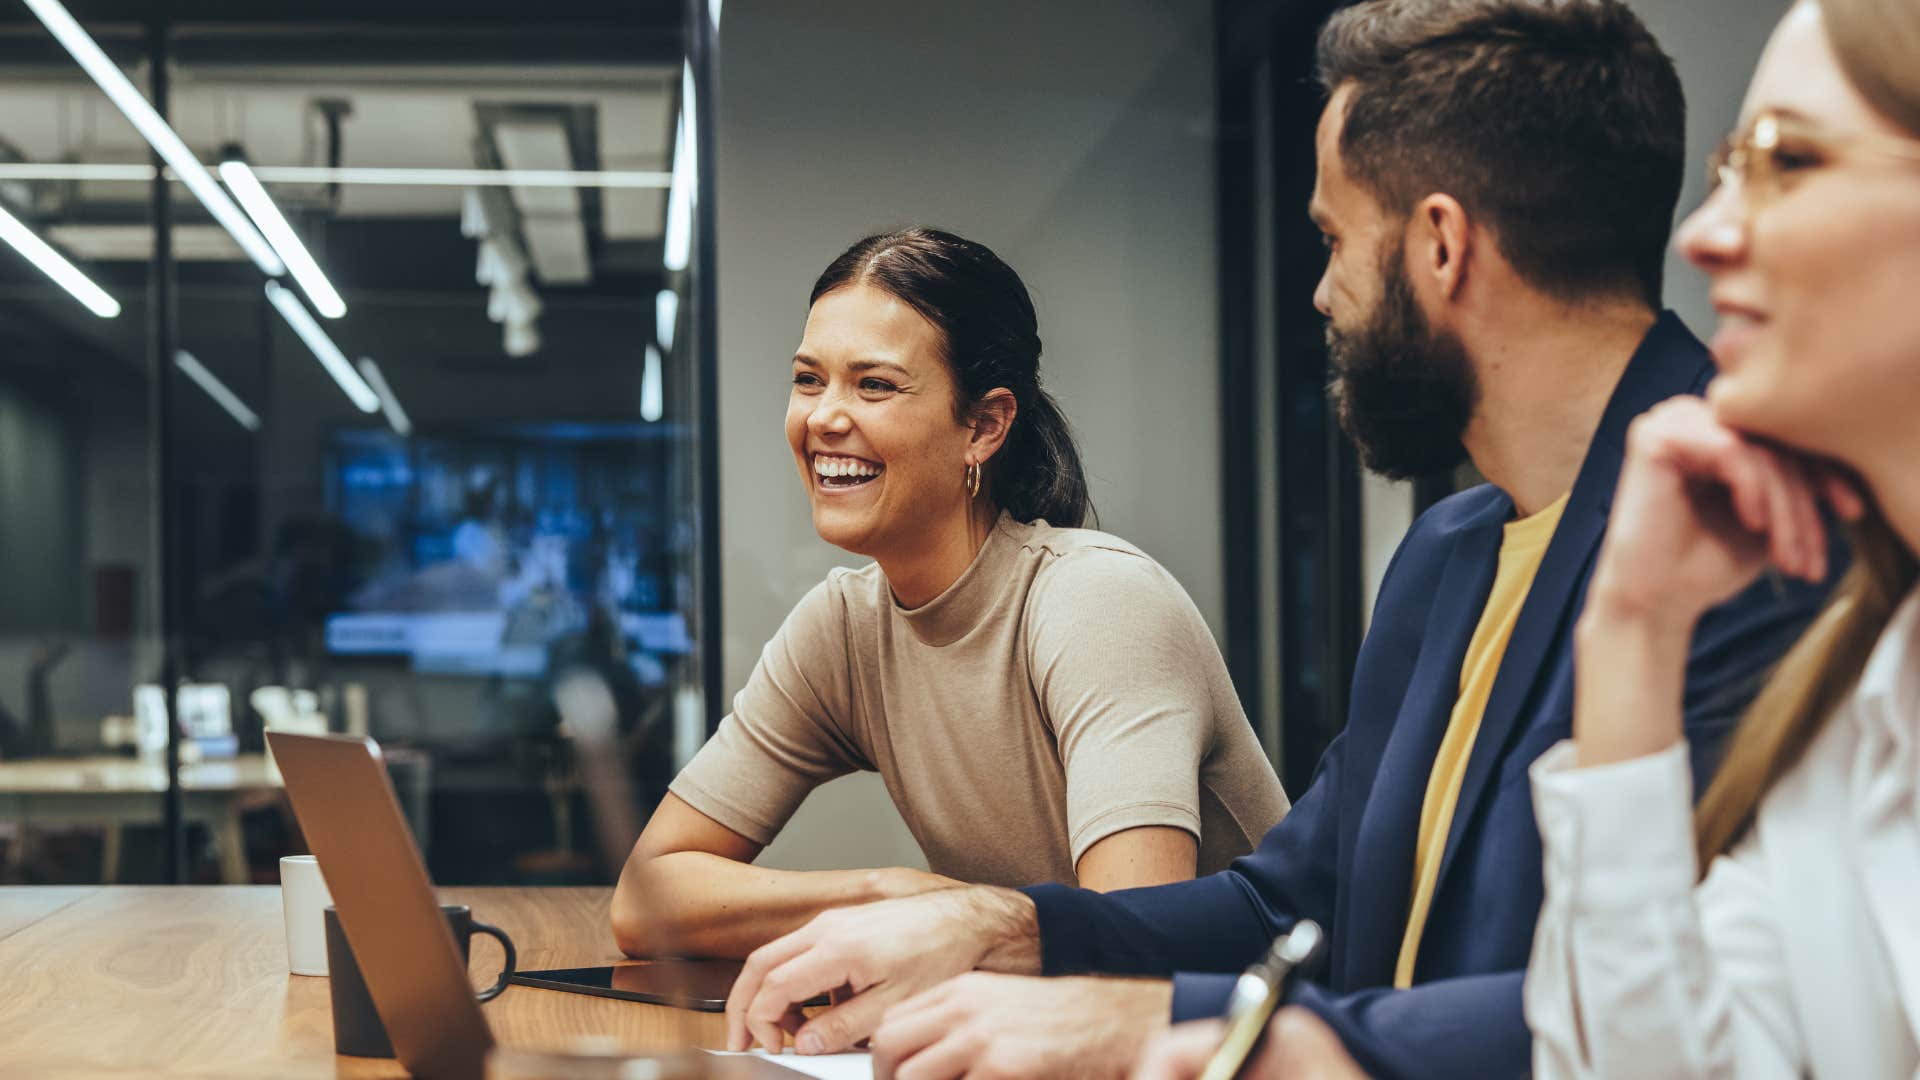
55 265
652 399
156 131
76 170
324 174
192 368
324 350
286 243
585 178
389 403
680 195
666 317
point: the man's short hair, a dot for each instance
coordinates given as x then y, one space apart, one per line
1559 123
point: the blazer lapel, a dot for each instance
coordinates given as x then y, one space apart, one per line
1669 361
1390 824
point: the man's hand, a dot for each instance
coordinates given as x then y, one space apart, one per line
875 956
1003 1026
1298 1046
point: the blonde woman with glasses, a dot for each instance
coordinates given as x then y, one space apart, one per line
1776 933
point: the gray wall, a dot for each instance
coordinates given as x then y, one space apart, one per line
1715 44
1074 137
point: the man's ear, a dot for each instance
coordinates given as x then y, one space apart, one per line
1439 242
992 422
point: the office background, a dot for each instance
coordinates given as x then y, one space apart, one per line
1138 161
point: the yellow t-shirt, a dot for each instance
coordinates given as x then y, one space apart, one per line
1522 546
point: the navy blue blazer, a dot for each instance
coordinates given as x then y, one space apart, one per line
1344 854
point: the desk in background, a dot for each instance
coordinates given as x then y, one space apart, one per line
192 981
114 792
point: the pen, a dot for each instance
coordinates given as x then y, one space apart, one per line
1257 995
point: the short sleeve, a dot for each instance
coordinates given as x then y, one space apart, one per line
1119 658
790 729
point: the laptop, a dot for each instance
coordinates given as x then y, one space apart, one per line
347 809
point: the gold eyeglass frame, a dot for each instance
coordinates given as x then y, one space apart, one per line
1749 156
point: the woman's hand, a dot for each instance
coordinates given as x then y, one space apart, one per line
894 882
1298 1046
1700 512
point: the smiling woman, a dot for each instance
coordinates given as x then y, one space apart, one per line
1042 700
1771 932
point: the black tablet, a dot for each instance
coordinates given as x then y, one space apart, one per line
687 984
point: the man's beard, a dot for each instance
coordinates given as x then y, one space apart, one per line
1403 393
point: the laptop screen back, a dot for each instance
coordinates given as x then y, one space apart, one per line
346 807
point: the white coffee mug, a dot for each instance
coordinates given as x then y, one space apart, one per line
303 896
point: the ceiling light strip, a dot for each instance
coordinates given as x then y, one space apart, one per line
652 389
55 265
678 239
157 132
324 350
192 368
103 172
246 187
75 170
298 174
389 402
666 317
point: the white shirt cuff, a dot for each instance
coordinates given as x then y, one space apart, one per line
1615 836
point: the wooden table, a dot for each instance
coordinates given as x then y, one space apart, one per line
117 791
123 981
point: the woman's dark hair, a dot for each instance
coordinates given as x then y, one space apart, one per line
992 340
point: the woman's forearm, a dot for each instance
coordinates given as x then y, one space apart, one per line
1630 681
692 903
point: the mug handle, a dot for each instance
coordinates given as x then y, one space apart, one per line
506 972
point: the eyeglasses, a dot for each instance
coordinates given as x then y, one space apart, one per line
1774 147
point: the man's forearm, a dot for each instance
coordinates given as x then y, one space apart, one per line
1010 929
1207 924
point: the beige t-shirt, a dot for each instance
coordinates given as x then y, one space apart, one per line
1062 690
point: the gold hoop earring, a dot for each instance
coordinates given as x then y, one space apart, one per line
973 480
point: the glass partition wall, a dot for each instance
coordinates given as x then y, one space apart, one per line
77 490
410 435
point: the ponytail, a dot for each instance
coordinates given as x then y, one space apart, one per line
1037 473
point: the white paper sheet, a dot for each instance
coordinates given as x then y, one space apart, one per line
825 1066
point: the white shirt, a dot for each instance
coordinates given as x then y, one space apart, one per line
1798 955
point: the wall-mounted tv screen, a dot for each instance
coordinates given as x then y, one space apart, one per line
506 550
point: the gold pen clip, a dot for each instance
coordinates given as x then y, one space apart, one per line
1257 995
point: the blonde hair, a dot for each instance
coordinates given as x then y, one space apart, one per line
1875 42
